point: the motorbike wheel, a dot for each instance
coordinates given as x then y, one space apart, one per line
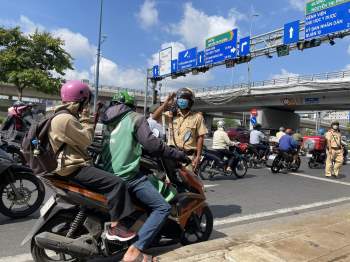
241 168
311 164
202 170
276 165
198 228
28 186
60 225
296 166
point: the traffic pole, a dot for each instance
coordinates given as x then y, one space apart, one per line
97 79
146 93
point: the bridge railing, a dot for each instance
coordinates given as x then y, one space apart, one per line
275 82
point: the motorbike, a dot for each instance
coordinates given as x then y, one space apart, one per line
14 150
256 157
283 161
317 158
73 220
213 163
21 192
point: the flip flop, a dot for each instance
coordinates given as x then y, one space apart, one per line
141 257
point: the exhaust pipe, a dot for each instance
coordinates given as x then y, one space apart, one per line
81 247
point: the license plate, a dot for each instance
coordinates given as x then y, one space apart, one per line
49 203
309 155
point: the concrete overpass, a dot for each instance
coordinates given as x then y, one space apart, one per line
9 92
278 99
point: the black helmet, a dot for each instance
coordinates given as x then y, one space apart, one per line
186 93
257 126
335 122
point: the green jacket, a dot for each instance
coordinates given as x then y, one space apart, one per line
129 134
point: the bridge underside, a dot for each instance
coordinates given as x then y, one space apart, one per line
330 100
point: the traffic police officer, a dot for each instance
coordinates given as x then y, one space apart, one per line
181 121
334 150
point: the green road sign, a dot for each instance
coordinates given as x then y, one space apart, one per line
219 39
313 6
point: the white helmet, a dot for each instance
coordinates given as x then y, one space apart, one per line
221 124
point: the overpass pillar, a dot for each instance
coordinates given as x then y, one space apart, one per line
208 120
275 118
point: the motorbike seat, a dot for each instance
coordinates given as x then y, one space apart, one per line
67 184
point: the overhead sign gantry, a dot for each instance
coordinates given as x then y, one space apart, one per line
325 21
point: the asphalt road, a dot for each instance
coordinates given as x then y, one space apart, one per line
261 195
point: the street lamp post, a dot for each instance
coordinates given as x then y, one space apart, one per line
97 78
146 92
252 16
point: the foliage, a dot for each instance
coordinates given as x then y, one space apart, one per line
37 60
228 123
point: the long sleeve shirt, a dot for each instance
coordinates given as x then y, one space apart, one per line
221 139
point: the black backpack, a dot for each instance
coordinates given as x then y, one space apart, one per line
37 149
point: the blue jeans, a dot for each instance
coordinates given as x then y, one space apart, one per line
147 194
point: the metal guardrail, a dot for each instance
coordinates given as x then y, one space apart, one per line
280 81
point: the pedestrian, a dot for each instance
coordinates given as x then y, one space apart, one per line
334 151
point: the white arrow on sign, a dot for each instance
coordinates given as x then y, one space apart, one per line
233 50
186 54
291 32
243 45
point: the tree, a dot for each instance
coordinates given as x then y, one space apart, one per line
37 60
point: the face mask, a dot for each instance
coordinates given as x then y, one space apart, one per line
182 103
335 127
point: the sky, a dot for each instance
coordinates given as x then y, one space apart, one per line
136 30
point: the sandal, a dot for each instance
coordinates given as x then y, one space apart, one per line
141 257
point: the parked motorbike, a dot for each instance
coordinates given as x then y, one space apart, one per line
283 161
21 193
213 163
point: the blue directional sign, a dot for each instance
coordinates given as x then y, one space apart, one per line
200 58
155 71
221 50
328 21
291 32
253 120
173 66
187 59
244 46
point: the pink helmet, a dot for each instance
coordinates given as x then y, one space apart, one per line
75 91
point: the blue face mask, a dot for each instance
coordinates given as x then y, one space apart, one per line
182 103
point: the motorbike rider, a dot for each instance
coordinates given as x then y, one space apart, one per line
182 119
121 155
70 135
221 143
15 117
334 150
256 140
280 133
288 145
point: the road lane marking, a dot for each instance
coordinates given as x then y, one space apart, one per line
208 186
329 180
279 211
17 258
